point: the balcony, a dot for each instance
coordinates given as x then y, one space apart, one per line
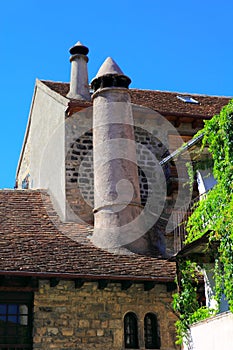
180 218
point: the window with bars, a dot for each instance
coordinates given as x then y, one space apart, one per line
15 321
151 332
131 331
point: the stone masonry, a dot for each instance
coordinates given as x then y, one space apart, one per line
79 170
89 317
79 177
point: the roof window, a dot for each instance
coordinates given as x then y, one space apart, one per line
187 99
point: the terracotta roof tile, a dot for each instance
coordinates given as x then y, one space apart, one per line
163 102
168 103
34 241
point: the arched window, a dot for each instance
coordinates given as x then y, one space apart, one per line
131 331
151 332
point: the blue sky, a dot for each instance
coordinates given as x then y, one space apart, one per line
184 46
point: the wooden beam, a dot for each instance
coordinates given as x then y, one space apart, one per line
2 279
54 281
177 122
33 282
79 282
149 285
102 284
126 285
171 286
30 283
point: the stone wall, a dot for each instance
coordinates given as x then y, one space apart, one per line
78 154
79 177
148 146
89 317
79 169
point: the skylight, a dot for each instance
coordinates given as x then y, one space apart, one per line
187 99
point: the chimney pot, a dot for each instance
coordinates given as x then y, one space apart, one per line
79 48
116 184
110 75
79 87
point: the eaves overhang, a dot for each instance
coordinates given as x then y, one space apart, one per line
202 250
90 277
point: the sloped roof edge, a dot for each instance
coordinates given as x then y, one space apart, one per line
39 244
164 102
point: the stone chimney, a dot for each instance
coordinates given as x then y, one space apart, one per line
117 202
79 88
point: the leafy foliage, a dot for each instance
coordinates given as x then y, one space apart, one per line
214 215
185 302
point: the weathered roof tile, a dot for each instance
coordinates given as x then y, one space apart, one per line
163 102
33 240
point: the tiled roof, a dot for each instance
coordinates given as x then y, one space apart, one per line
168 103
34 241
164 102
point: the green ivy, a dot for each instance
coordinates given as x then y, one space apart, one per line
212 214
185 301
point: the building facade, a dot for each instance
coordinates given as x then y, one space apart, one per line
85 242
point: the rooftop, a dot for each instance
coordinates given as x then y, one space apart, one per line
33 241
163 102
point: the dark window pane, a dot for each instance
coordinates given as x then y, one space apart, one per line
2 309
2 318
13 318
16 321
131 331
151 332
13 309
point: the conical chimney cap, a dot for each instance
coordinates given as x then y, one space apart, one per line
109 67
79 48
110 75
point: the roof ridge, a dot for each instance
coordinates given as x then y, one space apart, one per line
179 93
152 90
17 190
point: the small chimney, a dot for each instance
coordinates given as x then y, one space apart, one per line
116 184
79 88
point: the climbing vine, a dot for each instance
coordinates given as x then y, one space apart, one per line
213 214
185 302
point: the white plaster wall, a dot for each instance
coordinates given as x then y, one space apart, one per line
46 138
213 334
205 180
